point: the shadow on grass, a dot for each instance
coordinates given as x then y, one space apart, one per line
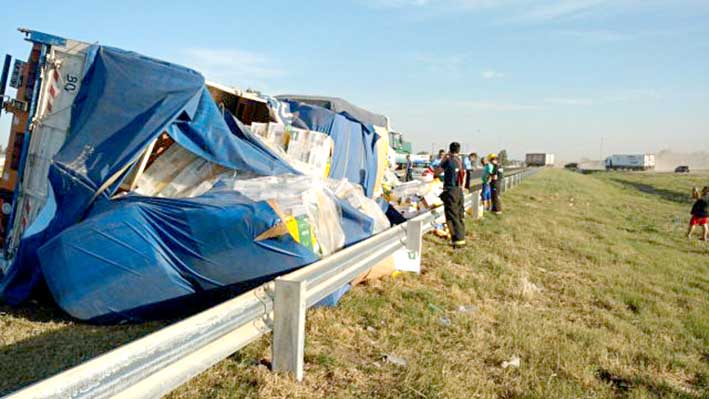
55 350
668 195
622 386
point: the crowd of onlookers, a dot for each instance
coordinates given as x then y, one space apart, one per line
457 171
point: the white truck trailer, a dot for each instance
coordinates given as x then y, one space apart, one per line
539 159
630 162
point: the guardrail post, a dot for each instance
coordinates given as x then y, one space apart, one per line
414 235
288 346
477 209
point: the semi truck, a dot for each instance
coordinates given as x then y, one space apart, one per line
46 85
539 159
630 162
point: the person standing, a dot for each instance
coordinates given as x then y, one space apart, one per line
409 168
486 194
468 171
438 159
495 184
469 162
451 167
700 213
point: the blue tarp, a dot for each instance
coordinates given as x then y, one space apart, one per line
354 157
138 257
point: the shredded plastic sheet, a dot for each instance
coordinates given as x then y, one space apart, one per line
354 195
307 206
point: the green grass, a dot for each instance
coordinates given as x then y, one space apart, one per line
588 279
38 340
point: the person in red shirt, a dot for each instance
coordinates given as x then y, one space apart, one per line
699 213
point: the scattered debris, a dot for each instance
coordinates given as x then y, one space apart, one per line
445 321
513 362
371 329
529 289
467 309
395 360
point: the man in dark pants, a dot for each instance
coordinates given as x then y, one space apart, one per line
453 179
495 184
409 168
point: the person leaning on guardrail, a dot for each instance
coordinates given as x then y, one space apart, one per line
451 167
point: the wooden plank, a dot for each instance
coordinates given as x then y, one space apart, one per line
131 180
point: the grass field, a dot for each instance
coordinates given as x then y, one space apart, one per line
587 279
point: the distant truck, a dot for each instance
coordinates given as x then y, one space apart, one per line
630 162
540 159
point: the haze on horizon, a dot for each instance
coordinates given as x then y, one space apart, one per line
579 78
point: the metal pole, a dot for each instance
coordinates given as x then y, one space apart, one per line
289 327
3 77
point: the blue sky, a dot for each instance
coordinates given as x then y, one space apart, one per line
529 76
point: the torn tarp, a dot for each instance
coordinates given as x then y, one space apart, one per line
354 157
138 257
107 259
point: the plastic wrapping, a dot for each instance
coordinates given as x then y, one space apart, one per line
306 205
412 198
178 173
308 151
354 195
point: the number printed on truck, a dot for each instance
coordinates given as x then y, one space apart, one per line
71 81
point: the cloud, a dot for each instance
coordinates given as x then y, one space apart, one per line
569 101
451 65
397 3
556 10
449 4
514 11
231 66
626 95
488 105
492 74
599 36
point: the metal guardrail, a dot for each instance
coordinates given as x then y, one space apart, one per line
154 365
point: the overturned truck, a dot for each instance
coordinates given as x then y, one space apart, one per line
136 190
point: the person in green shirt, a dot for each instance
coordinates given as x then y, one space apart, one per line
486 193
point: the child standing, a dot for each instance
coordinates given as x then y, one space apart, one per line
699 213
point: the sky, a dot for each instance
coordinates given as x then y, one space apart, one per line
581 79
